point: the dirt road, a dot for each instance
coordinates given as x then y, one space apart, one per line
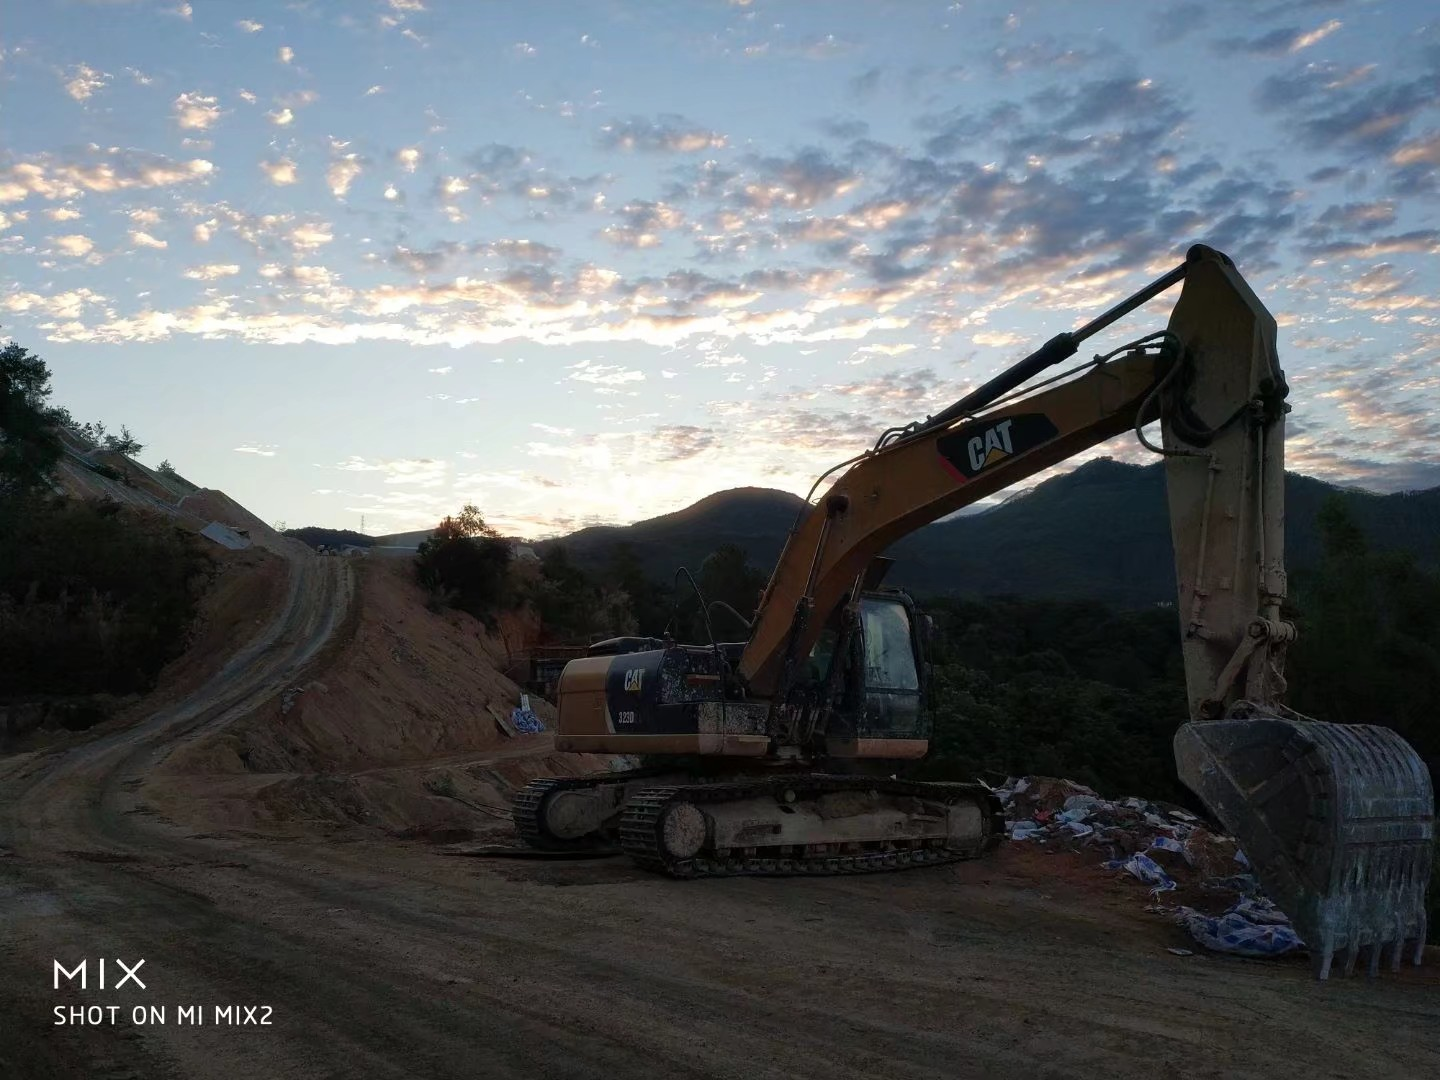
372 958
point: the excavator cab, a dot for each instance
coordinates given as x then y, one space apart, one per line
877 695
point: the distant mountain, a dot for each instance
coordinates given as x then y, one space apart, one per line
314 535
405 539
1101 531
757 519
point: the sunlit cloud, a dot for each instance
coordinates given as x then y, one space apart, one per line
280 171
54 177
84 82
196 111
74 245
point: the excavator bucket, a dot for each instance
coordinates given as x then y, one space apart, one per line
1337 821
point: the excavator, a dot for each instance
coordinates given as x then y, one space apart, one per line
780 754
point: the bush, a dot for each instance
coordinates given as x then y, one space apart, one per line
465 565
93 599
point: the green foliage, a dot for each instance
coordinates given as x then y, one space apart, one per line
28 448
725 576
123 443
466 565
1369 637
573 606
1064 688
93 599
649 600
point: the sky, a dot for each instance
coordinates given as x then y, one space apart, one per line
582 261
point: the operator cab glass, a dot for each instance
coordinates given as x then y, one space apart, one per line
889 647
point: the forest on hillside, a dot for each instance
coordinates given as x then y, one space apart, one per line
1077 688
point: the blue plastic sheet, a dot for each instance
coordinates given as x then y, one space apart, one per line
1252 927
1146 869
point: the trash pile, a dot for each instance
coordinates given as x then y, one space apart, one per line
1161 845
524 719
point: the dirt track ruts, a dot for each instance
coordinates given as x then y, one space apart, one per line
383 960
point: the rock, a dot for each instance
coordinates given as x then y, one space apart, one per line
1211 856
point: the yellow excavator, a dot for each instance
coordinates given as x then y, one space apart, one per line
778 755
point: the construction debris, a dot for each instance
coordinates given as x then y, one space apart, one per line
1161 845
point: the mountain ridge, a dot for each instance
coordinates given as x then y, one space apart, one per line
1100 531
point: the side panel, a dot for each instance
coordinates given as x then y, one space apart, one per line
659 701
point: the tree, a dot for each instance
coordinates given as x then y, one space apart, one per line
29 448
124 443
468 524
727 576
465 564
166 469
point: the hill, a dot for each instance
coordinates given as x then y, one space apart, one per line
757 519
315 535
1101 532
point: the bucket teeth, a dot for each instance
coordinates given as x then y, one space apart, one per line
1337 821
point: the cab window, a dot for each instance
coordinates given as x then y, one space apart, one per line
889 653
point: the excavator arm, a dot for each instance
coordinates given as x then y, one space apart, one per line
1336 819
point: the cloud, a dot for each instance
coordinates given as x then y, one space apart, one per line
266 450
998 339
63 213
311 235
74 245
84 82
342 173
523 48
1330 107
250 26
408 158
587 371
667 133
53 177
798 182
1281 42
281 117
441 370
285 54
1422 151
195 111
279 172
212 271
642 223
143 239
416 472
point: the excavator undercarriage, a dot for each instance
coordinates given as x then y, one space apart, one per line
779 755
805 823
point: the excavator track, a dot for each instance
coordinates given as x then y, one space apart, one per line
527 807
643 829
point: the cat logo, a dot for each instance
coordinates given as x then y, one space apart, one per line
633 678
990 447
969 450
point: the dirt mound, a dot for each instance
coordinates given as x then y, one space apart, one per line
399 727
